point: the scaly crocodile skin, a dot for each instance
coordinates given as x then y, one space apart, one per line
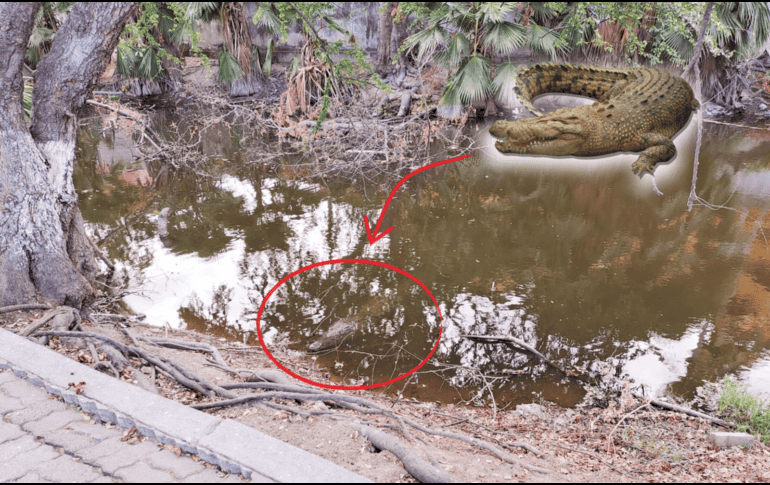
638 110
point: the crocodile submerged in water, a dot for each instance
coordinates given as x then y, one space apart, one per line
335 335
637 110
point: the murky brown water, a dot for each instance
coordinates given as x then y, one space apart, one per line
577 257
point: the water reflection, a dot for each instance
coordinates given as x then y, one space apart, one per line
581 264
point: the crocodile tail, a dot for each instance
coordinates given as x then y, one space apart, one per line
593 82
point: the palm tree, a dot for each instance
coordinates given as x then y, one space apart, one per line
466 37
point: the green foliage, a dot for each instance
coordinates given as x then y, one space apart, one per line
26 98
749 412
229 70
736 28
463 37
206 11
46 25
140 52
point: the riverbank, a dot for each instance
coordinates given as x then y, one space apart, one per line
627 440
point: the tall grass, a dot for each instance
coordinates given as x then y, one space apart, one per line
749 412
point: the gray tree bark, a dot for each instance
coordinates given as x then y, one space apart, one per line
384 29
43 247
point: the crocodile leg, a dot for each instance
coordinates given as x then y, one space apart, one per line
659 149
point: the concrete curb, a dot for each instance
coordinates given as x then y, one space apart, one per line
232 446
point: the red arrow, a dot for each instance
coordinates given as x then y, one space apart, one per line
374 237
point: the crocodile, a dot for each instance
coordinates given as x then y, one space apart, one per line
637 110
335 335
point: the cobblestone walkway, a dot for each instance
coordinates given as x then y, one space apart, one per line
45 440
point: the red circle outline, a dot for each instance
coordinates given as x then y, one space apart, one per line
357 261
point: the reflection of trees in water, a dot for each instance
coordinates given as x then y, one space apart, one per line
579 266
592 265
211 319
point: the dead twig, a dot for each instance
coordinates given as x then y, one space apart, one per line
131 117
609 436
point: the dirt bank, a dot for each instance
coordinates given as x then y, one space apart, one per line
627 441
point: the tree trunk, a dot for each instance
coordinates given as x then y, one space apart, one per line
398 37
43 246
384 28
687 74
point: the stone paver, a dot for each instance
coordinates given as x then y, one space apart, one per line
66 469
45 440
52 422
40 410
143 473
118 455
166 460
23 444
23 463
9 432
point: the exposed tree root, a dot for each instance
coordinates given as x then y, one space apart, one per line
68 312
185 345
416 466
185 377
275 386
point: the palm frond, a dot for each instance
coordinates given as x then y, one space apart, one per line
126 63
267 67
148 63
505 74
294 64
229 70
456 50
268 18
495 12
429 40
200 10
504 36
679 42
26 99
543 40
470 83
184 31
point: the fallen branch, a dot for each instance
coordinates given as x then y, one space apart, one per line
689 412
25 306
520 346
100 254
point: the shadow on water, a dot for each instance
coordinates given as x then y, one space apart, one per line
580 263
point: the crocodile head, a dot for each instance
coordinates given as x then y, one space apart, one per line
546 135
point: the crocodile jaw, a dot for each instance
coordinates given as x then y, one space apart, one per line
539 137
